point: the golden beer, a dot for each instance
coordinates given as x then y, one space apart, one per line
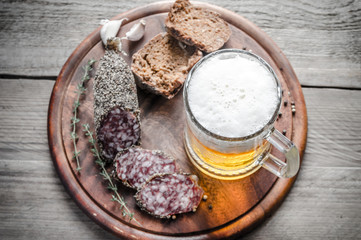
224 165
232 99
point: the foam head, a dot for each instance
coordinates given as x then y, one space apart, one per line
232 94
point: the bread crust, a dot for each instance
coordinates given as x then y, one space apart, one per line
162 65
197 26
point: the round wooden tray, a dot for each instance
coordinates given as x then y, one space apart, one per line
233 207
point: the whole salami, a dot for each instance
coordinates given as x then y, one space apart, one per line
116 108
168 194
136 165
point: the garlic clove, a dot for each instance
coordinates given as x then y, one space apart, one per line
110 29
104 21
136 32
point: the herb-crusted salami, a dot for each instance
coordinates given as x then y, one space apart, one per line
118 130
136 165
169 194
116 109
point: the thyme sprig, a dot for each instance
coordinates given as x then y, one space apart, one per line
101 163
74 120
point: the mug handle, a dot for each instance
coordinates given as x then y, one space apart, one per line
282 169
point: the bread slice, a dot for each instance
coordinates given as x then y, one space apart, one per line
197 26
162 65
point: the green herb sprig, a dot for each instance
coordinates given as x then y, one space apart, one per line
101 163
74 120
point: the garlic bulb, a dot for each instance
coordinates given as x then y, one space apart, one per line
110 29
136 32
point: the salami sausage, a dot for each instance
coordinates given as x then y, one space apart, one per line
119 130
136 165
169 194
116 108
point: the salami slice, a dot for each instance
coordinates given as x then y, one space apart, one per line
169 194
136 165
119 130
115 105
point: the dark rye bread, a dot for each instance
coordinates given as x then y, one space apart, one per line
162 65
197 26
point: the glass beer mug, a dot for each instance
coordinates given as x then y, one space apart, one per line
232 99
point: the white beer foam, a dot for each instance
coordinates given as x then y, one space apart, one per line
232 96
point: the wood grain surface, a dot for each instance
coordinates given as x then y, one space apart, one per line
162 128
322 33
320 38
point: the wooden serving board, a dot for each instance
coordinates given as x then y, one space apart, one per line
233 207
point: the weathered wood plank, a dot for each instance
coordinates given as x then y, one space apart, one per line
23 117
323 203
322 39
35 205
334 131
334 122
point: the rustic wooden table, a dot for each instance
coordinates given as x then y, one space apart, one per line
322 40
